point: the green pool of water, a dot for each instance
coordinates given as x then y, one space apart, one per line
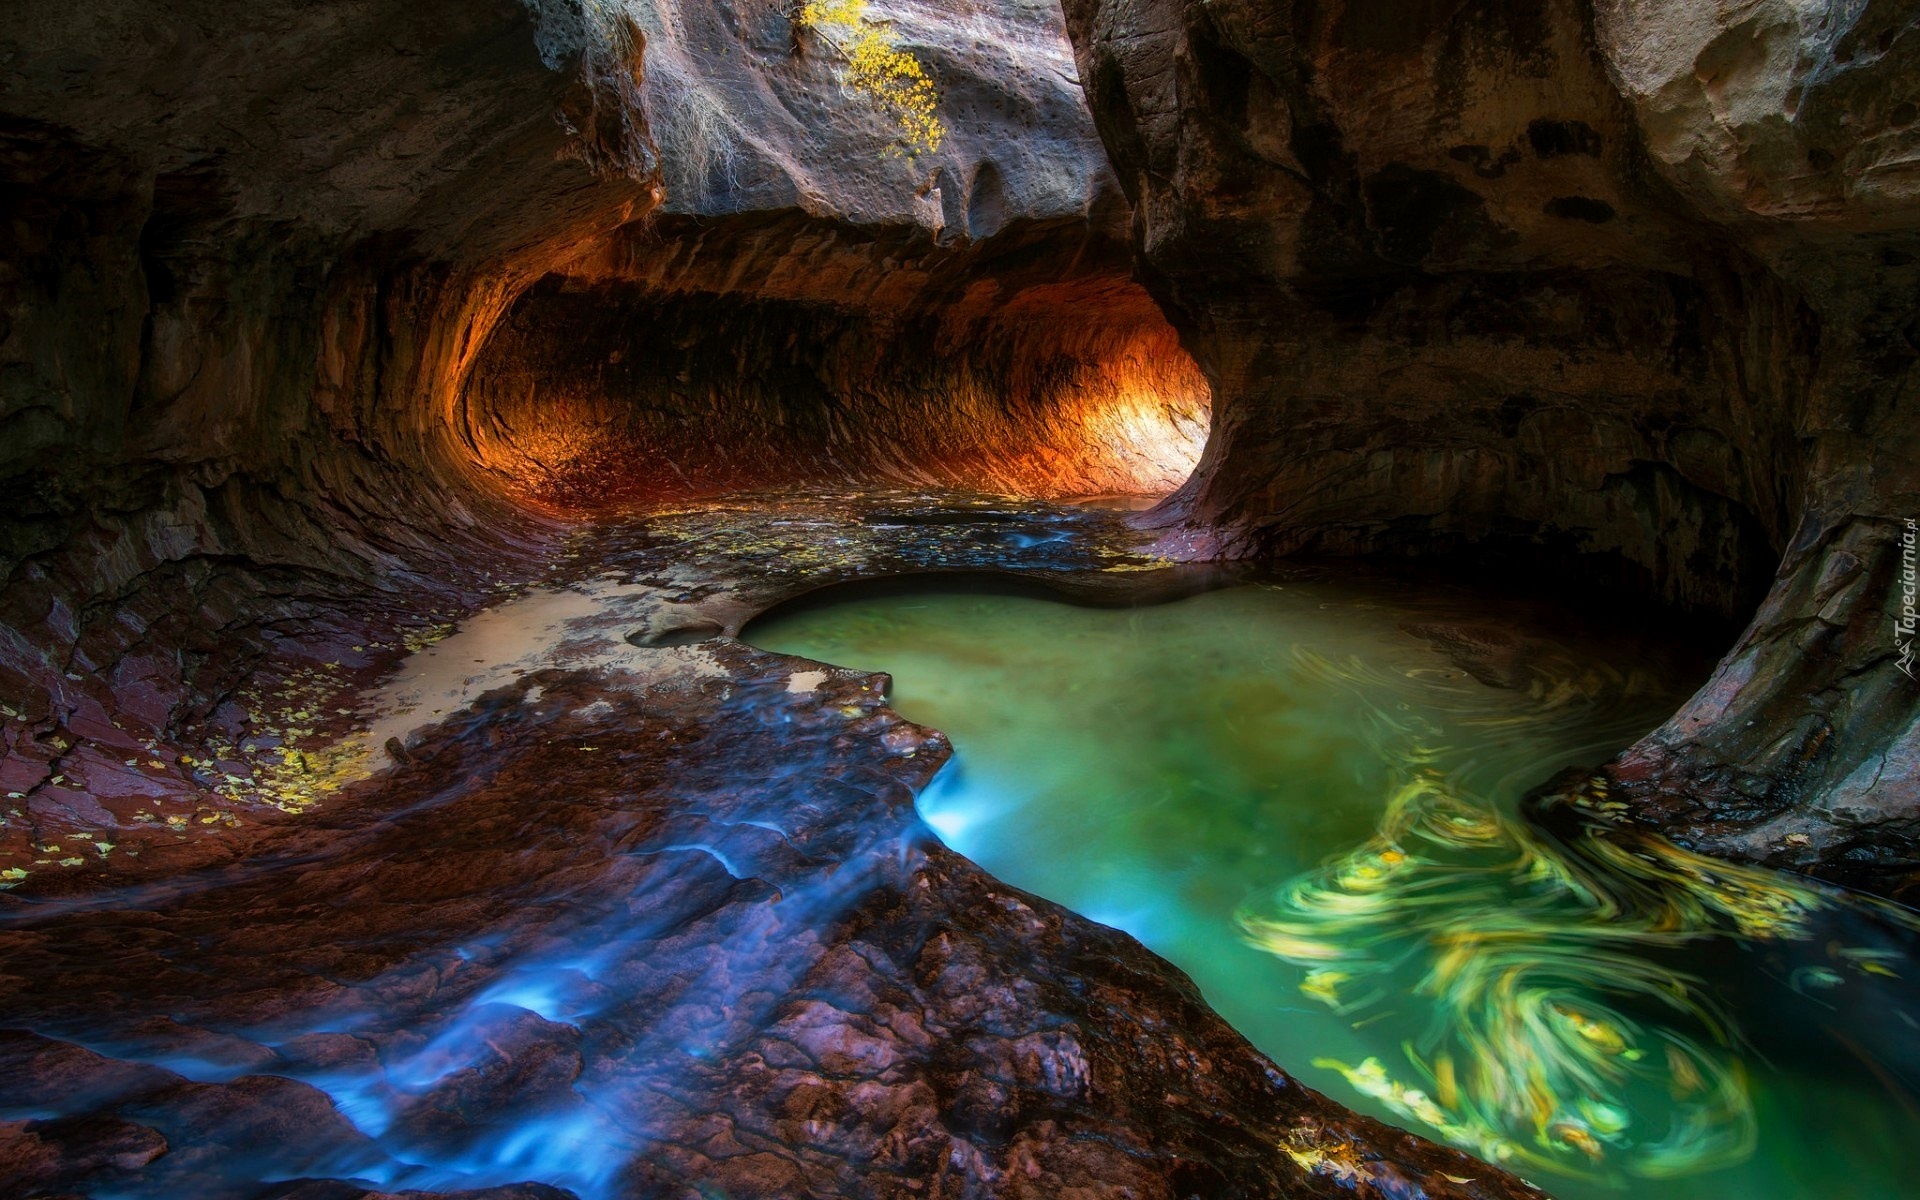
1305 796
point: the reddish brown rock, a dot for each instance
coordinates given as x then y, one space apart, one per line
753 972
296 302
701 355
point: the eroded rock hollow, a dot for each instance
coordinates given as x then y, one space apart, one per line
594 328
1619 292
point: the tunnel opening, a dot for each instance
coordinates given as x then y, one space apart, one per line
791 353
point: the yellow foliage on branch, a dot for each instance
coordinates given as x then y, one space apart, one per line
879 70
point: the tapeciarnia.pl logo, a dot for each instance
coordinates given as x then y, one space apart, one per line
1903 625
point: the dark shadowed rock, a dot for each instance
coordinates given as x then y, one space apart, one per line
1627 298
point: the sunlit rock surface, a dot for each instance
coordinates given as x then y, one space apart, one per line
1624 297
796 348
816 302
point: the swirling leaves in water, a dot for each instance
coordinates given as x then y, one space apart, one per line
1553 1039
1554 1031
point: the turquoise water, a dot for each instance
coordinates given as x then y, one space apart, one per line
1304 795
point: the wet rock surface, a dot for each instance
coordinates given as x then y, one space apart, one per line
648 920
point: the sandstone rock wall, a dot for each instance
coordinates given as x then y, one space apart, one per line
1625 294
796 349
752 117
247 258
1791 129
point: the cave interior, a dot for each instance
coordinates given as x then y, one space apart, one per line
474 470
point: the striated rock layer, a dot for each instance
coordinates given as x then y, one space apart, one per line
1625 292
798 349
246 263
310 316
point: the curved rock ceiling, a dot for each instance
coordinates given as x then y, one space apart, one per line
322 325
